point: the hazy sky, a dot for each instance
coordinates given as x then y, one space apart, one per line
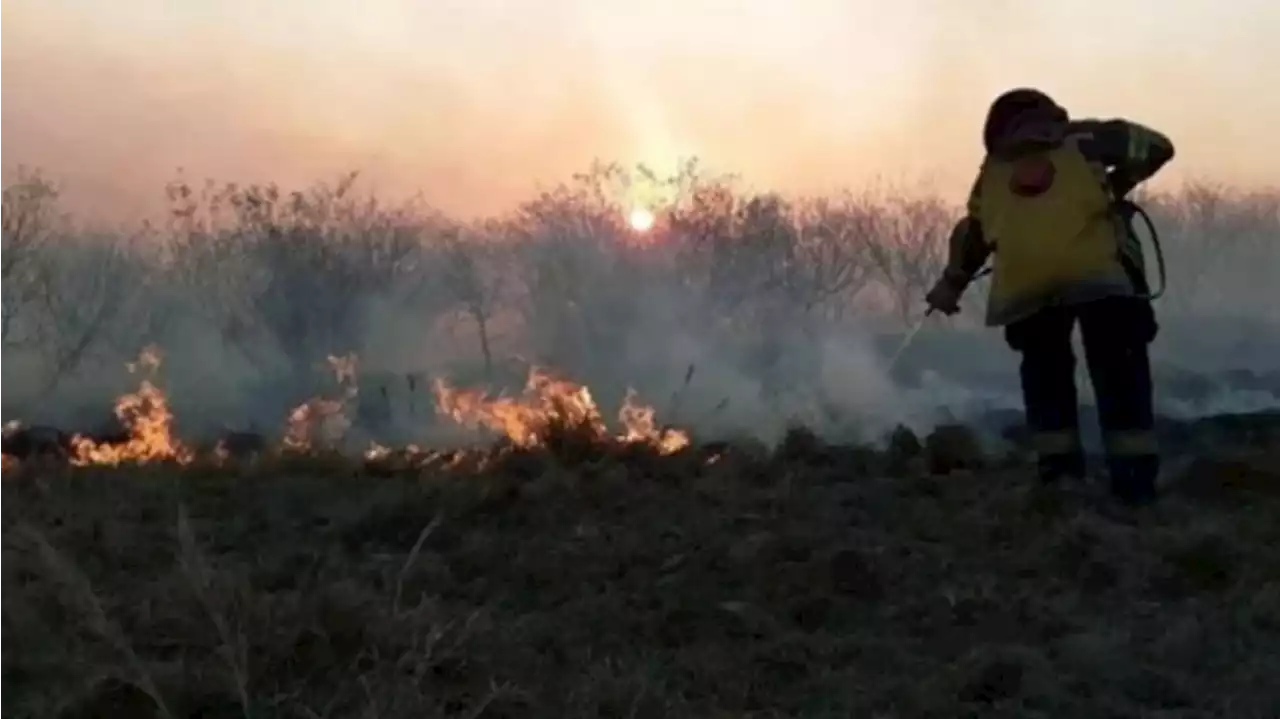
475 101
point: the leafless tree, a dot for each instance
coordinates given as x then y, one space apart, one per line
833 247
82 296
289 270
473 274
575 293
908 246
30 213
1215 239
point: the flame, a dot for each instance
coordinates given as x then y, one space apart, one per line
550 403
221 455
318 421
147 416
344 368
380 452
322 421
377 452
148 361
413 457
641 426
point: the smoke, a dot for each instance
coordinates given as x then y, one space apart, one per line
737 315
786 311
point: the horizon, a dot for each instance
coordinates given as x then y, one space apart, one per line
476 105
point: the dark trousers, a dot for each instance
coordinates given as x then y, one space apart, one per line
1116 333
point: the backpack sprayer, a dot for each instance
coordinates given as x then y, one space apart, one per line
1127 208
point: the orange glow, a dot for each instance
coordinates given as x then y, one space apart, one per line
641 219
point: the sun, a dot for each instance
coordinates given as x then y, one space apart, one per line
641 219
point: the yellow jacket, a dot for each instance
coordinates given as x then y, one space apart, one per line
1045 215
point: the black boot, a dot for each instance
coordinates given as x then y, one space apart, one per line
1133 479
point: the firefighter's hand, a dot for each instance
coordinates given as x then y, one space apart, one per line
945 296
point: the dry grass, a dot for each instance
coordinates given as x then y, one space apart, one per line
807 581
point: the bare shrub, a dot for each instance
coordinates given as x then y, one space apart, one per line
1220 247
908 246
295 272
30 219
84 300
271 281
477 271
575 292
835 244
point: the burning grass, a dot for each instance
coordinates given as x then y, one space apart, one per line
554 410
553 413
576 570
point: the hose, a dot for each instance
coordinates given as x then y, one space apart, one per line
1128 209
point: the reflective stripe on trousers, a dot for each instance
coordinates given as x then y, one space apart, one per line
1131 443
1056 442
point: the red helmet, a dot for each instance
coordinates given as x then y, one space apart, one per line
1023 112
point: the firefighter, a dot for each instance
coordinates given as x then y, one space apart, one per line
1048 209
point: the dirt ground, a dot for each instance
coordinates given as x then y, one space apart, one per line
804 581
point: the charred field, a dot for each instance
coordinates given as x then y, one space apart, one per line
925 578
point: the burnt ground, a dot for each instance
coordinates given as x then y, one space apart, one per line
804 581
